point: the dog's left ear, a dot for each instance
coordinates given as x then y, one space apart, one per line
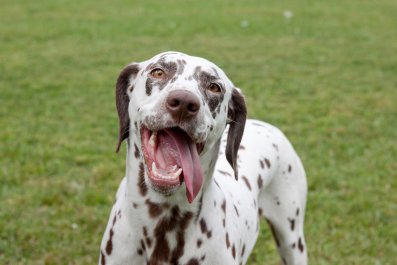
126 76
237 115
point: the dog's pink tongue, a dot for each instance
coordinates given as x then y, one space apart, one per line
191 167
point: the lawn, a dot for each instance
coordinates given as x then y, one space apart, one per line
325 72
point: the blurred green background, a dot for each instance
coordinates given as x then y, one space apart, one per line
325 72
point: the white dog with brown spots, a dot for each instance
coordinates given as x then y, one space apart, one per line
198 174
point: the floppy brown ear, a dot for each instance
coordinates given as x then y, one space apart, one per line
237 115
126 76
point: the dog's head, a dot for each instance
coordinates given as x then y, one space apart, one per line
178 106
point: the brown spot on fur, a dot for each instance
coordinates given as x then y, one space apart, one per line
141 180
225 173
200 207
227 241
292 223
235 208
260 181
262 164
300 245
289 168
273 232
143 246
193 262
176 221
149 86
217 184
297 212
243 250
247 182
203 226
260 211
155 209
223 206
284 261
103 260
137 154
258 124
109 244
180 237
199 242
234 251
267 162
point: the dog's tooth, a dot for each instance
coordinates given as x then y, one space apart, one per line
178 172
154 168
173 168
153 139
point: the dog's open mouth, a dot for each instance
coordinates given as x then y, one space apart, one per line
172 158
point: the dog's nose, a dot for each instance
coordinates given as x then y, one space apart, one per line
182 105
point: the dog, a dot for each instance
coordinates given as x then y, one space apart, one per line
199 175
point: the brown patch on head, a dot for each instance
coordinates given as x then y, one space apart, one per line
204 79
169 68
149 86
181 66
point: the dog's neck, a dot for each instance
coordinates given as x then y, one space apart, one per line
139 192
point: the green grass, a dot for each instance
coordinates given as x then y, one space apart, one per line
327 77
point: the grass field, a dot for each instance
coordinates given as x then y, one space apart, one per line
325 72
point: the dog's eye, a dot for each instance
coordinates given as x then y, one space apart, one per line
214 88
157 73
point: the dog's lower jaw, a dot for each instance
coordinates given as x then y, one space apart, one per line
137 179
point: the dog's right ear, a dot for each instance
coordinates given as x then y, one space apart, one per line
126 77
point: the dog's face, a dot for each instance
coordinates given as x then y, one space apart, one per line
179 106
